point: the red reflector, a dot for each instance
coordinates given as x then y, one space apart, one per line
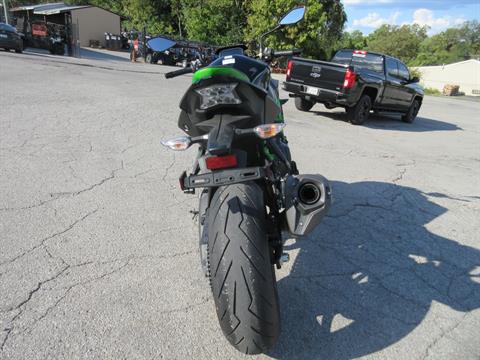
350 78
289 68
221 162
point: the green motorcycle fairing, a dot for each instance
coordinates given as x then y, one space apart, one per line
208 72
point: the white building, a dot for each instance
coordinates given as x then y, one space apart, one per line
466 74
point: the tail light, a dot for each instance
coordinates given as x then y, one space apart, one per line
221 162
350 78
218 94
289 68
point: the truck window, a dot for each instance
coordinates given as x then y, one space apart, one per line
360 61
392 67
403 72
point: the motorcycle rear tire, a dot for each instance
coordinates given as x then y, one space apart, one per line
242 275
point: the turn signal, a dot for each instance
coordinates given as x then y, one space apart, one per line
268 130
178 144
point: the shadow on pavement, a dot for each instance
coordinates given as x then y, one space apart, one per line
385 121
87 53
367 277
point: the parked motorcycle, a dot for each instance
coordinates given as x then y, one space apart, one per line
250 189
56 45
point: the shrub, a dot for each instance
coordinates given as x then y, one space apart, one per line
415 72
431 91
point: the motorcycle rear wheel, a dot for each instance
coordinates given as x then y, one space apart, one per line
242 275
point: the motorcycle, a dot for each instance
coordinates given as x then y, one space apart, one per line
250 188
56 45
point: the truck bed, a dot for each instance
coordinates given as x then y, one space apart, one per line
320 74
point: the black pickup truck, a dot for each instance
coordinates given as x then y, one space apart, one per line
356 80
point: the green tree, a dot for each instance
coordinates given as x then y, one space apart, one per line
451 45
158 16
471 34
402 42
219 22
352 40
321 27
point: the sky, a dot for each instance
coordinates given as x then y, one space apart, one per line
367 15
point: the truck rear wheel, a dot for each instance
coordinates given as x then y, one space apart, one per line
359 113
303 104
242 275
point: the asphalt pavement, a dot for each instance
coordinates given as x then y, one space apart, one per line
99 252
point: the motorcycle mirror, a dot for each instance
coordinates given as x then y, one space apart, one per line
293 16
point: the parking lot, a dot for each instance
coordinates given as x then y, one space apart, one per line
99 252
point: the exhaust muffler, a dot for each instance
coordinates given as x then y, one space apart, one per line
307 200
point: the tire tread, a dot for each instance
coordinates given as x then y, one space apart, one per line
243 280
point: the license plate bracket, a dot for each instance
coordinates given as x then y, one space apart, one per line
312 90
224 177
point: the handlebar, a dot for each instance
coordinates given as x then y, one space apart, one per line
175 73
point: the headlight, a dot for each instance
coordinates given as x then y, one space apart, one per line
218 94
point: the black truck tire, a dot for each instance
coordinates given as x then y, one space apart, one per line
411 115
303 104
359 113
19 50
242 275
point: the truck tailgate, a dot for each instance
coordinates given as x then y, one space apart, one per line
321 74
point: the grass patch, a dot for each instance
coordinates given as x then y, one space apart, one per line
432 91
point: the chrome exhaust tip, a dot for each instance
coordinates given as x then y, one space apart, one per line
307 201
309 193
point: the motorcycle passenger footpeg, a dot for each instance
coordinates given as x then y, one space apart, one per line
181 181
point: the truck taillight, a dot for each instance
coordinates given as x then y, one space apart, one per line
289 68
350 78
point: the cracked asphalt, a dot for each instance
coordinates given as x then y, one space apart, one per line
98 250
